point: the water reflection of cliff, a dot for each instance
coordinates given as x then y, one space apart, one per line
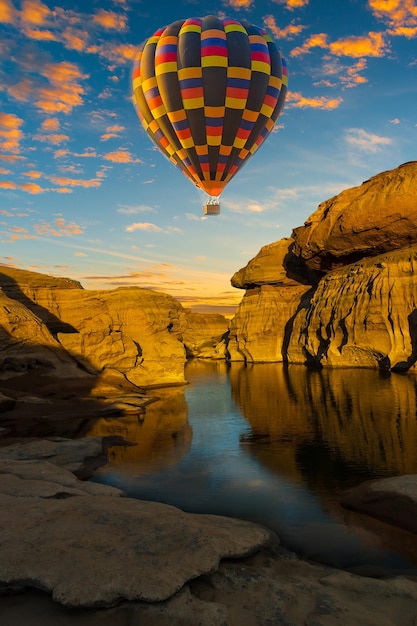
162 435
309 424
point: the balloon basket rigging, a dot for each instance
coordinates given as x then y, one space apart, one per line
212 207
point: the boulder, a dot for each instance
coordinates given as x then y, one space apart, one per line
275 264
378 216
79 456
393 500
97 551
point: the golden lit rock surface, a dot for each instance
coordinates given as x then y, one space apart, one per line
142 334
204 336
364 314
134 331
275 289
378 216
361 313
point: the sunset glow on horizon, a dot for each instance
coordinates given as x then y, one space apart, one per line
85 194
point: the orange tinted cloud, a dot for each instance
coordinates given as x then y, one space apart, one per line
315 41
292 4
32 174
7 12
60 228
373 45
75 39
400 15
117 53
64 181
54 138
238 4
64 91
299 101
282 33
31 188
7 184
40 35
110 19
34 12
51 124
112 131
120 156
10 133
352 76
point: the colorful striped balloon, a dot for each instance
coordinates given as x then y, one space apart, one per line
208 92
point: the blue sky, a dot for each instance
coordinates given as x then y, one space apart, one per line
84 194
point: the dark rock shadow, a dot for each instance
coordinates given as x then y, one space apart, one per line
39 400
13 291
403 366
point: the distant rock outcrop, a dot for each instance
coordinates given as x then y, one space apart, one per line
137 332
343 290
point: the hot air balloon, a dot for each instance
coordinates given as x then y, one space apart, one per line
208 92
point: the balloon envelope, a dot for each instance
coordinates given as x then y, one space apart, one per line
208 92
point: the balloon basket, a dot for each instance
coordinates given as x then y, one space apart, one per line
212 207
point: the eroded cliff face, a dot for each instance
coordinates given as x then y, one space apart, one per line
307 302
136 332
378 216
364 314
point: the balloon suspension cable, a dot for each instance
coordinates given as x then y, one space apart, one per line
212 206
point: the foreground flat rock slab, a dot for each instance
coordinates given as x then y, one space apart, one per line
96 551
393 500
268 589
40 479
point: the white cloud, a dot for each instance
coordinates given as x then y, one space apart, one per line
143 226
366 142
131 210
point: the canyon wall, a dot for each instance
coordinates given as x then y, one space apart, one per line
342 291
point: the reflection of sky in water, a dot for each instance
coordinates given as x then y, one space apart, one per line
218 476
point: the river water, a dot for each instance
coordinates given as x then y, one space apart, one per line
276 445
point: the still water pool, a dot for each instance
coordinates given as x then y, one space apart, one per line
276 445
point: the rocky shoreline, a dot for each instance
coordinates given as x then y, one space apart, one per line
77 552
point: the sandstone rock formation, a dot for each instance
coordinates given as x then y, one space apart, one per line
55 323
378 216
205 335
307 302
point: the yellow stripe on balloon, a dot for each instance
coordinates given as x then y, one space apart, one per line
235 103
213 61
260 66
193 103
235 28
165 68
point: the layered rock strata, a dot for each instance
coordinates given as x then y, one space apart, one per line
307 302
139 333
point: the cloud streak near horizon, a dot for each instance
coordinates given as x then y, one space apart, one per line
76 165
